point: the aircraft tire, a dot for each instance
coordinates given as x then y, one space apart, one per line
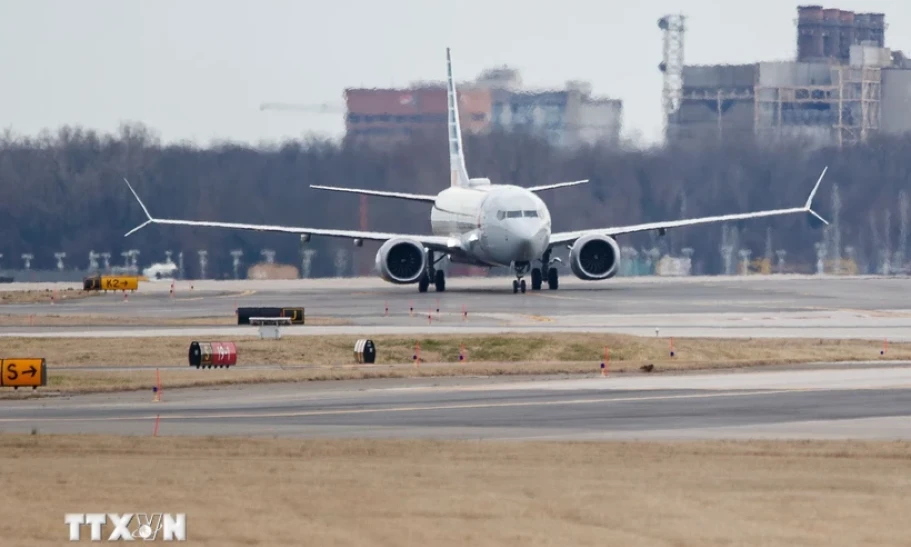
553 279
536 279
440 281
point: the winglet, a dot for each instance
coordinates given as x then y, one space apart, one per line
809 205
144 210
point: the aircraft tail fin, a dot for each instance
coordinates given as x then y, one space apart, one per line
458 174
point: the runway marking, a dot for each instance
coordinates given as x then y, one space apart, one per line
237 295
466 406
555 297
540 318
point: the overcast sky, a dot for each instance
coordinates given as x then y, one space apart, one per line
199 69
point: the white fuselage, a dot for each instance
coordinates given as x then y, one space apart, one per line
501 224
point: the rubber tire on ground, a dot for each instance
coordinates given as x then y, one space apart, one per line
515 286
553 279
440 281
423 283
522 286
536 279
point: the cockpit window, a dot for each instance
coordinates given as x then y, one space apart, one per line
530 214
501 215
513 214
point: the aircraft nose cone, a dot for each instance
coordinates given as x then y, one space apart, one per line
530 241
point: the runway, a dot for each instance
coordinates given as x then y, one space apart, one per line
744 306
871 401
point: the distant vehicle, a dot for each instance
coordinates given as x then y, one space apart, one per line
160 272
482 224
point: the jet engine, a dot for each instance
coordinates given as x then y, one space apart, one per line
401 261
594 257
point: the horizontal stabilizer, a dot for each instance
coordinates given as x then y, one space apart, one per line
381 193
557 185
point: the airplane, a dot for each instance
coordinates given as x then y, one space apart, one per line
478 223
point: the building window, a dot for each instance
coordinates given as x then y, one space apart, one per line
354 118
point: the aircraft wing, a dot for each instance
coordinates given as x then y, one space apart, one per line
568 237
382 193
557 185
434 242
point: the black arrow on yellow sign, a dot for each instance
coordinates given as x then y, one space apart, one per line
31 371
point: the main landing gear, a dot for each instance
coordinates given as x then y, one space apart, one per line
552 277
438 276
518 284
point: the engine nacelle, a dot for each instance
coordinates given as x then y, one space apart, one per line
401 261
594 257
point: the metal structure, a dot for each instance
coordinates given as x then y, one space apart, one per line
60 256
203 261
236 254
269 255
745 260
673 28
850 105
307 262
27 258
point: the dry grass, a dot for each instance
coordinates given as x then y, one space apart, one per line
313 358
55 320
239 492
624 350
45 296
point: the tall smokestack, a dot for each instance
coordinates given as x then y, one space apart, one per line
809 32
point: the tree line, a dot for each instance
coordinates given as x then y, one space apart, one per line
64 191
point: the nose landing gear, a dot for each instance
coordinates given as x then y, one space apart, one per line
518 284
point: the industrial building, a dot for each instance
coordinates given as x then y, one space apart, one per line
495 100
843 87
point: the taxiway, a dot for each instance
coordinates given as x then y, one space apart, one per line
746 306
